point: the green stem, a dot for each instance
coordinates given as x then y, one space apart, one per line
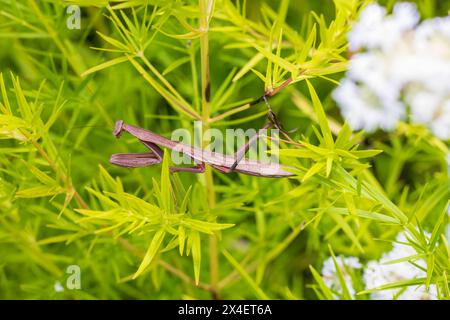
205 11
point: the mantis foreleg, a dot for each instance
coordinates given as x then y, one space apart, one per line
240 154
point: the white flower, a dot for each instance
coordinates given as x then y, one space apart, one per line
363 109
375 30
431 109
425 57
428 92
330 277
373 69
434 32
397 65
365 33
379 273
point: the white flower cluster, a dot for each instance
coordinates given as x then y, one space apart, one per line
378 273
398 64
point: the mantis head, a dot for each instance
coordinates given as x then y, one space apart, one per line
118 129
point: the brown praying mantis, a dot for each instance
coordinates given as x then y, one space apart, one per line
220 162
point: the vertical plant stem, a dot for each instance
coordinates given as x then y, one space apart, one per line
205 6
192 52
205 12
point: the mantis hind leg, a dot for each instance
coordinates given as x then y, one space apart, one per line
222 169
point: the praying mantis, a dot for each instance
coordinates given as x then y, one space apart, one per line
222 163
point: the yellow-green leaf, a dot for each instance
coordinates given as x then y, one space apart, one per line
105 65
40 191
196 254
321 116
151 252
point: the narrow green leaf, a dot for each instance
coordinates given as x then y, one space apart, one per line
196 254
365 214
321 116
151 252
323 287
166 189
6 107
181 239
175 65
395 285
105 65
316 168
248 66
345 291
40 191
